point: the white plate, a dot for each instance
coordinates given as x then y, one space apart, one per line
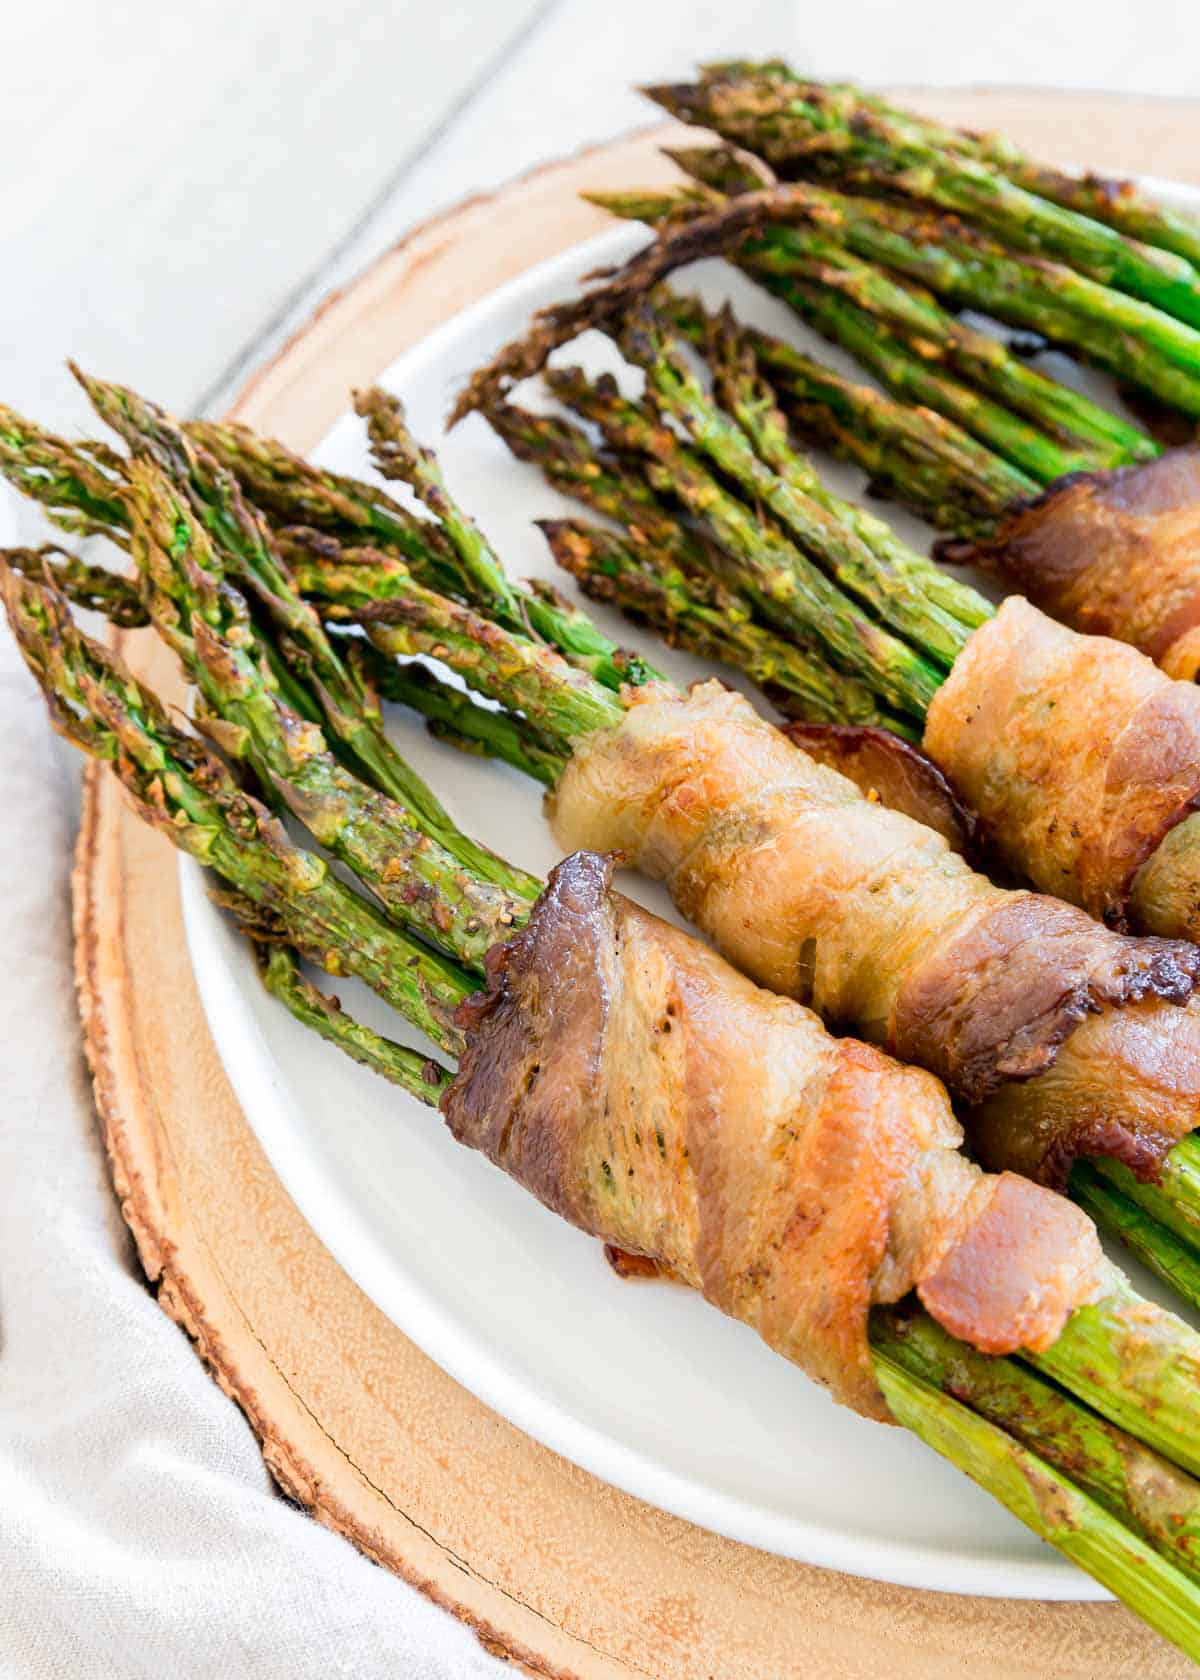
641 1384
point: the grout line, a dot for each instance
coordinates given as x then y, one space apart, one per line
240 363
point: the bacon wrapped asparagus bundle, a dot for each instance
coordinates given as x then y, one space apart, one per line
1140 864
1056 999
1110 548
1048 1041
799 1181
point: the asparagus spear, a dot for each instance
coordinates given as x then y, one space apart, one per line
183 790
1119 203
722 169
767 229
397 455
454 717
422 884
560 703
830 131
291 490
919 457
246 545
95 588
450 556
1173 1258
1134 1484
746 393
420 1076
80 486
247 548
1129 339
895 596
845 297
780 579
720 627
914 380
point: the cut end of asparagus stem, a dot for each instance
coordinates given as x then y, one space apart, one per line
1050 1504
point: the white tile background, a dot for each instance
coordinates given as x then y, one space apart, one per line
177 183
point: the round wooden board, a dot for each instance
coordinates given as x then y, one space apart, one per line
551 1567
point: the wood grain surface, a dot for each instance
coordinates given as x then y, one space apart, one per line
554 1569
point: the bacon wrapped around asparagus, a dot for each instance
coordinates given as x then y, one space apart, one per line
1080 758
823 894
626 1075
643 1089
623 1072
1062 497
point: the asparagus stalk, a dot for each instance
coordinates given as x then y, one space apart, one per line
818 522
915 455
455 718
560 703
914 380
853 421
784 584
419 1075
742 387
1170 1257
346 581
398 456
832 132
1135 1485
606 482
768 229
930 332
1124 1357
247 549
1119 203
292 491
1047 1502
1128 338
719 627
824 275
246 546
451 556
182 789
79 486
95 588
419 881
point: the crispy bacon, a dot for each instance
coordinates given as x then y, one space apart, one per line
824 895
659 1100
887 768
1077 754
1112 554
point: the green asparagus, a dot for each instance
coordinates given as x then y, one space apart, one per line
833 133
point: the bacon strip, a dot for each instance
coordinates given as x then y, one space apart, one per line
657 1099
891 770
824 895
1075 752
1111 554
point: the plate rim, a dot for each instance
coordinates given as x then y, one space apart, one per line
242 1052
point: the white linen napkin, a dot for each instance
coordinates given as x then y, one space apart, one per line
140 1535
